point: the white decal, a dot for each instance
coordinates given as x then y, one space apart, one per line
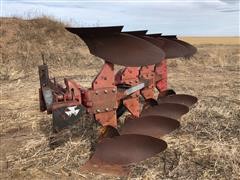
72 111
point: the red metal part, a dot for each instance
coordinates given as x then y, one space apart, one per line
73 93
101 99
129 76
147 75
133 105
161 70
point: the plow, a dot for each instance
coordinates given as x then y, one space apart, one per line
139 89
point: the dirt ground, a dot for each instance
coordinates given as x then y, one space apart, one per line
205 147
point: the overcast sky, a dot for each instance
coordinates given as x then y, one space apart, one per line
182 17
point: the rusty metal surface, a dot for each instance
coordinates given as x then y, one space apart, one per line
95 31
155 126
103 87
94 100
149 103
136 33
127 149
191 48
155 35
148 75
124 49
108 132
161 71
171 48
167 92
169 36
170 110
183 99
133 105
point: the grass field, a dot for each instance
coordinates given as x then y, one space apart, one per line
206 146
213 40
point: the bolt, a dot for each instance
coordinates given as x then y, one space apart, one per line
107 109
130 82
114 90
136 81
96 92
98 110
105 91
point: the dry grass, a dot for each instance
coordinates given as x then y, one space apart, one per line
23 42
205 147
213 40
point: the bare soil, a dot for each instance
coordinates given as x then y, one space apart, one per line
206 146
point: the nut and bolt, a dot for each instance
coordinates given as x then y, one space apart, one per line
105 91
98 110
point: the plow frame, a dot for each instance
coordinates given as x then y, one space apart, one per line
107 92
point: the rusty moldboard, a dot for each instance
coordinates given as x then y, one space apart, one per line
121 150
170 110
124 49
184 99
136 33
171 48
155 126
95 31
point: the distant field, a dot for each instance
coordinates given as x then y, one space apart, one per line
212 40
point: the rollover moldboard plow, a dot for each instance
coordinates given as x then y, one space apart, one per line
132 89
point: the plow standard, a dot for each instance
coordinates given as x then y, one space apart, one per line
139 88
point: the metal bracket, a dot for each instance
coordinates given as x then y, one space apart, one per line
161 69
147 74
101 99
